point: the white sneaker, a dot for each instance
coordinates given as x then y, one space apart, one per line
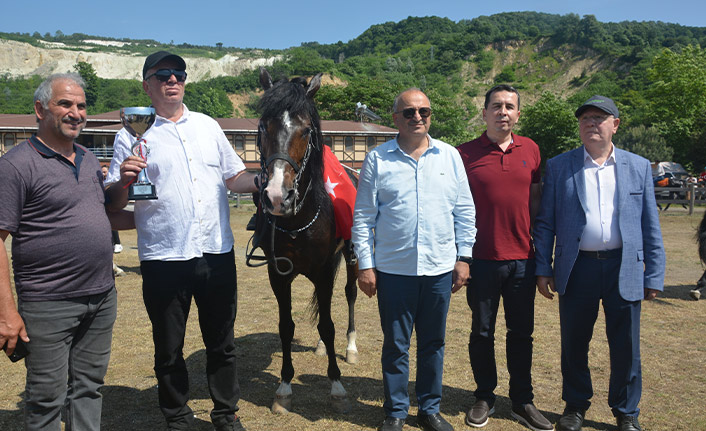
117 248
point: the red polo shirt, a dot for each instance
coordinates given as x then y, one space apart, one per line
500 182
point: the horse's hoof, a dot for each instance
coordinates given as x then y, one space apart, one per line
351 357
340 404
282 404
320 349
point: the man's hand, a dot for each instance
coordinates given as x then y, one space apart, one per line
130 168
650 294
367 281
544 284
461 274
11 324
11 327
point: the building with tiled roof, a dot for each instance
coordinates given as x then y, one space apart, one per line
350 140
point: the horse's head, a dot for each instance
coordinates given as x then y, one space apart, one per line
288 138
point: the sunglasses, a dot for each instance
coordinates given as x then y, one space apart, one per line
163 75
408 113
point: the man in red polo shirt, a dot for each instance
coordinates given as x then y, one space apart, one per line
503 172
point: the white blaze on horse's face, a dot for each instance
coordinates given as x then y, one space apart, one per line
281 190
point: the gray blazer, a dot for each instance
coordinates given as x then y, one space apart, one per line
562 216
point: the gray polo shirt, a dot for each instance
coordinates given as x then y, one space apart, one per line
54 210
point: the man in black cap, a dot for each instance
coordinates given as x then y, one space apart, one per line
598 203
185 242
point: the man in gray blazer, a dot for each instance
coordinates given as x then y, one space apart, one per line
598 202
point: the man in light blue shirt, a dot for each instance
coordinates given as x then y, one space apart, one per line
413 231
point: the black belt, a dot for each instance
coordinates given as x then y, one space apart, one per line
602 254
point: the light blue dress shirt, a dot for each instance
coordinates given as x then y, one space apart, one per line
413 217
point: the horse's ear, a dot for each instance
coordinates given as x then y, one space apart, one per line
314 85
265 79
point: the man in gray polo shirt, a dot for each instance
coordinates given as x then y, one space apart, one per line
53 206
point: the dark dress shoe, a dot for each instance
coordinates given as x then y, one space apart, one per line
571 419
628 423
392 424
433 423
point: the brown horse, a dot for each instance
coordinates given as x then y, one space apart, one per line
296 226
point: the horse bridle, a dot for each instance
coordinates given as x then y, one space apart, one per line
264 179
298 169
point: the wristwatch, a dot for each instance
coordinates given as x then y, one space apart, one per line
465 259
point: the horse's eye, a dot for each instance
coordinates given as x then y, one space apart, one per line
306 132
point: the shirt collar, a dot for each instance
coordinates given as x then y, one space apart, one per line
396 147
184 115
48 153
45 151
487 142
611 160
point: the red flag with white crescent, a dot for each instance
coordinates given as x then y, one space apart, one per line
342 192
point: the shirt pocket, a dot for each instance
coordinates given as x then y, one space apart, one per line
210 154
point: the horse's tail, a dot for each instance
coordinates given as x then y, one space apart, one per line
701 239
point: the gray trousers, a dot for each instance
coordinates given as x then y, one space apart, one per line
69 350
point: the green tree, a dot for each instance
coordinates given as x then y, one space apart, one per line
677 98
208 100
550 122
88 73
643 141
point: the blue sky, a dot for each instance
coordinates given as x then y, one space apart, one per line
281 24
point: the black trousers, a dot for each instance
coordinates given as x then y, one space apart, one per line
167 289
514 281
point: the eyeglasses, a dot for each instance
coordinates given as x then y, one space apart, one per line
593 119
408 113
163 75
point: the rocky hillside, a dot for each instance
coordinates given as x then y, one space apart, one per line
19 59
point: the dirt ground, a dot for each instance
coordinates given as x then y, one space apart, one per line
673 356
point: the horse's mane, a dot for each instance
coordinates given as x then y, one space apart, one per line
291 96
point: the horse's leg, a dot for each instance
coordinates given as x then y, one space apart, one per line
351 296
324 291
699 291
283 292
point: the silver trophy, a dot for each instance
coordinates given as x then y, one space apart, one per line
137 121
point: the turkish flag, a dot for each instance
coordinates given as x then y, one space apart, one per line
342 192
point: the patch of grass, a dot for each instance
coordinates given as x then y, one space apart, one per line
673 356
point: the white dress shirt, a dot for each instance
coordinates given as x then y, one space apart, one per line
413 217
602 231
188 163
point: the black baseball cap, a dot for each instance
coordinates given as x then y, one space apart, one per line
603 103
153 59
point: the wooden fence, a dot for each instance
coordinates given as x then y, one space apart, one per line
689 195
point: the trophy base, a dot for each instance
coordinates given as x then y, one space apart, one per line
141 192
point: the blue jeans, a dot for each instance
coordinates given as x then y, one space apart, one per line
405 302
69 342
514 281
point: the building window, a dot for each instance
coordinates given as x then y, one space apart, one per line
328 141
348 143
239 142
371 142
8 141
